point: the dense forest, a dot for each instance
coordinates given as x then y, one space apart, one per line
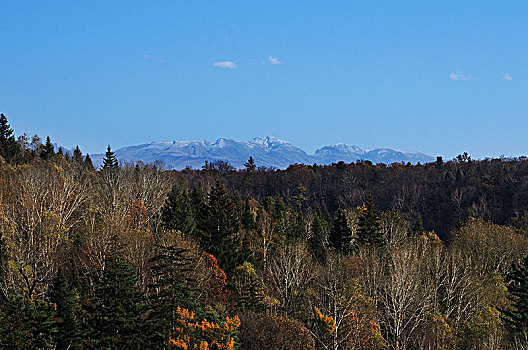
344 256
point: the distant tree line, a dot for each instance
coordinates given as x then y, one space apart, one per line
345 256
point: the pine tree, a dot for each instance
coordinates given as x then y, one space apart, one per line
177 213
369 228
517 283
9 148
110 160
118 306
48 151
169 290
340 236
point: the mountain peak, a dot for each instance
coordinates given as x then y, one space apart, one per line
267 151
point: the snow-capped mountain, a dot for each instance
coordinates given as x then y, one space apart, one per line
267 151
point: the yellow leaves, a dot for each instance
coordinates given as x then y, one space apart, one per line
202 335
432 237
326 323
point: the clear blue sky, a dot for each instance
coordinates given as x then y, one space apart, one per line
439 77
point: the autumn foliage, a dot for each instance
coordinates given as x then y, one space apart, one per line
202 335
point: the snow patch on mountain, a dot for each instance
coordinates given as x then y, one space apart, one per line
267 151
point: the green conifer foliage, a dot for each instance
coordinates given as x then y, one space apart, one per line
109 160
88 163
517 283
77 155
26 324
168 290
316 242
118 306
48 152
9 148
369 228
63 297
418 227
340 236
248 219
177 213
3 264
250 169
218 224
249 289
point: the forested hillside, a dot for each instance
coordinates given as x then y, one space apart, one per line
347 256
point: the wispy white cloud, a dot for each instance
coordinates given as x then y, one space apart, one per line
460 76
225 64
273 60
150 57
506 76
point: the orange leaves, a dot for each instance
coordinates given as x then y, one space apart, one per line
219 278
204 335
326 323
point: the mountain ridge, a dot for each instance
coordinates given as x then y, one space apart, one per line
267 151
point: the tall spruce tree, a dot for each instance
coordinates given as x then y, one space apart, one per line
26 324
177 213
109 160
9 148
250 169
118 306
218 224
517 283
77 155
340 236
316 242
88 163
3 265
369 227
168 290
62 295
48 151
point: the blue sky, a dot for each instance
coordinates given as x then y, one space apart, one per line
441 77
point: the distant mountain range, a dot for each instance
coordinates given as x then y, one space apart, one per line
266 151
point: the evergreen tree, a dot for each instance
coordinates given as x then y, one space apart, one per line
109 160
197 200
48 151
169 290
3 264
9 148
517 283
219 223
340 236
316 241
249 289
116 312
250 169
418 227
177 213
248 219
77 155
26 324
62 295
369 227
88 163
